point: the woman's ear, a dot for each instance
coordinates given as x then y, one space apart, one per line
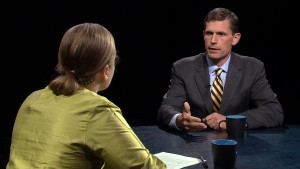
105 72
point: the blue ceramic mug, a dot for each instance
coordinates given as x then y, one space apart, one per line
235 125
224 153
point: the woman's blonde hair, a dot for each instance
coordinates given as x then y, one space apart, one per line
84 50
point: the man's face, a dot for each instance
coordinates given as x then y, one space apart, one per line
219 39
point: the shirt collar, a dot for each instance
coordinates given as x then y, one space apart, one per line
212 67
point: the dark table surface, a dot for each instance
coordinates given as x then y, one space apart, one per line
264 148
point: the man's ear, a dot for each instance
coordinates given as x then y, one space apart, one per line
236 38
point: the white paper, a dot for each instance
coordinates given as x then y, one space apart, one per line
175 161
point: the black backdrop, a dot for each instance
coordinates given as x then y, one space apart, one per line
150 36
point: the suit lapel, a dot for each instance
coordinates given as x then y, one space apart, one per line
232 80
202 79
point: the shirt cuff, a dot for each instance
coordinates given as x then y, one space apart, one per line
172 123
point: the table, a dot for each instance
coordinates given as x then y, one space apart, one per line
264 148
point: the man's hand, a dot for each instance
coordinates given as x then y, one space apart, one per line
188 122
213 121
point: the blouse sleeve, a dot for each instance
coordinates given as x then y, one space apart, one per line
112 140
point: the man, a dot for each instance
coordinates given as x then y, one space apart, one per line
188 104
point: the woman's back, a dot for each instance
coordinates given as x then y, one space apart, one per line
78 131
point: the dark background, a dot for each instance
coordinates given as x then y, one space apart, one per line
150 36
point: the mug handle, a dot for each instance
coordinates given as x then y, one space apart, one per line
220 124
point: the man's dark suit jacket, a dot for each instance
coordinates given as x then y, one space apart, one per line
246 91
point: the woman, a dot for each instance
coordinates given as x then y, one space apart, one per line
67 124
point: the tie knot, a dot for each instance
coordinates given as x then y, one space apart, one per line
218 71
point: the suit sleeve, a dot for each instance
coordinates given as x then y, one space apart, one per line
267 110
173 100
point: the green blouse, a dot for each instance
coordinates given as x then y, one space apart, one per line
81 131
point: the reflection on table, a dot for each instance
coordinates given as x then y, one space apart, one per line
265 148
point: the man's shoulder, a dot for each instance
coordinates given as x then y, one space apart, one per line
245 59
190 59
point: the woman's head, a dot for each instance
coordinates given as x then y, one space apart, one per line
84 51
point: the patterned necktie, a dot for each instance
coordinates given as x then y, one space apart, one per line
217 90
